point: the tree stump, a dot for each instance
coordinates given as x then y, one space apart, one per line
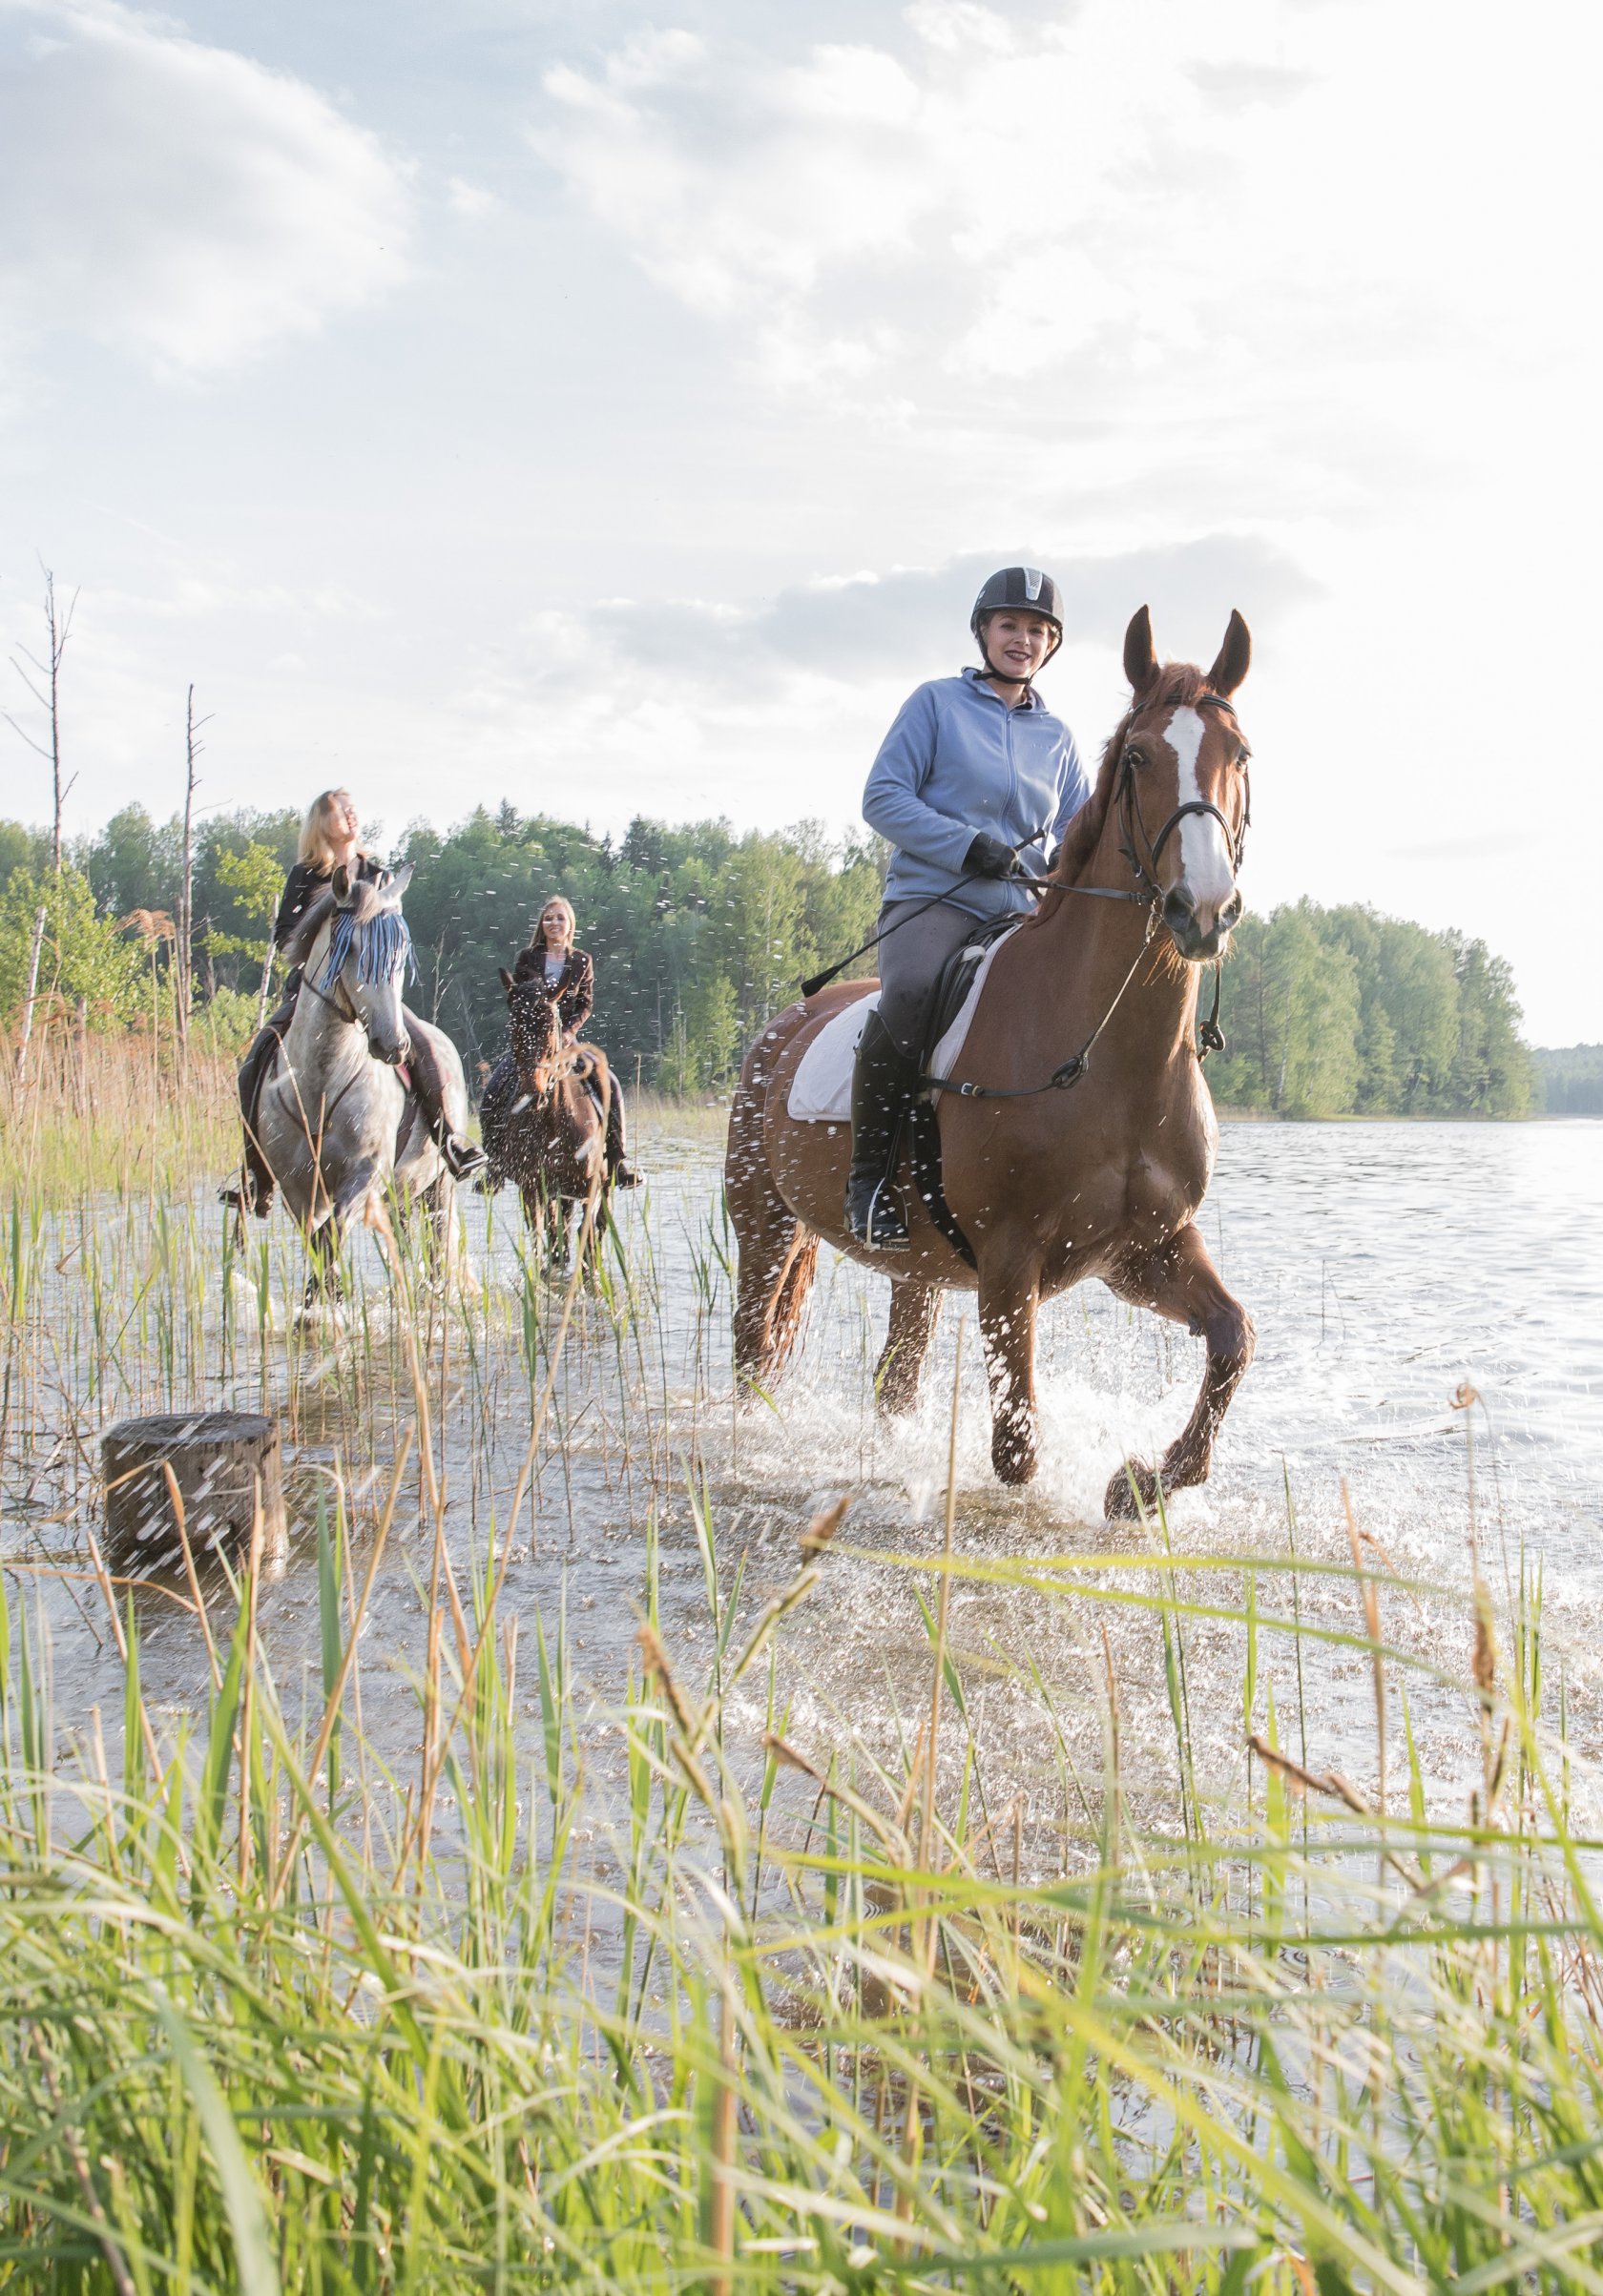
220 1460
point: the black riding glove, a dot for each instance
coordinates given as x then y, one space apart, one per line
988 857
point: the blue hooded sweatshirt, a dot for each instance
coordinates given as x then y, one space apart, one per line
959 760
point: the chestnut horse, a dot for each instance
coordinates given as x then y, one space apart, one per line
550 1138
1085 1139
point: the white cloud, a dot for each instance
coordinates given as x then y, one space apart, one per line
179 201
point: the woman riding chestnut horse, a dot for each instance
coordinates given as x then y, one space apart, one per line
975 784
1076 1133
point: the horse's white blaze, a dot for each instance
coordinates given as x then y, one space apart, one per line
1205 851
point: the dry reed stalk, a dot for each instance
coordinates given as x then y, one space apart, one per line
685 1721
1333 1784
926 1931
331 1709
176 1497
103 1779
247 1704
103 1576
554 1364
1372 1621
721 2211
889 1834
121 2278
1116 1768
825 1524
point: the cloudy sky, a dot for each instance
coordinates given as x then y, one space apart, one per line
614 409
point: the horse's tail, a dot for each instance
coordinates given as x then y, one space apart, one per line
784 1317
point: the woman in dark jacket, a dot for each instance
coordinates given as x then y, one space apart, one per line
330 840
570 977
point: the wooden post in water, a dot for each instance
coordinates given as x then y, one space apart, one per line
220 1461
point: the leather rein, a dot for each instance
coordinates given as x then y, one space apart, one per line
1147 894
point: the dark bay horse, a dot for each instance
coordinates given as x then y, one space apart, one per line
1050 1180
548 1136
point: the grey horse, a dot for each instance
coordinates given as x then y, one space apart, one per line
336 1126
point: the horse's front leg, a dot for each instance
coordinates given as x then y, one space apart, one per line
1010 1292
915 1309
1177 1279
324 1279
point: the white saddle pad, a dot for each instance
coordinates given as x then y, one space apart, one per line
821 1090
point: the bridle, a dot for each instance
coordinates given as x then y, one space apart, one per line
1145 872
542 1076
1147 894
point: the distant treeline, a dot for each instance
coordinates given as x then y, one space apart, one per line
699 934
1338 1012
1571 1080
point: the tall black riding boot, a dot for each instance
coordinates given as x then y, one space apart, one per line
883 1086
624 1174
462 1156
254 1191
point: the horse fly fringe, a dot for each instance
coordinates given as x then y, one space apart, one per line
383 942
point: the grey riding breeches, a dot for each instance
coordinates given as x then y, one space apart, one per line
910 966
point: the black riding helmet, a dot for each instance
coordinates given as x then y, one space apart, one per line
1026 590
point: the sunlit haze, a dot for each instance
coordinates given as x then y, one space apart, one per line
614 411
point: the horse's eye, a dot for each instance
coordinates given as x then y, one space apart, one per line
1136 757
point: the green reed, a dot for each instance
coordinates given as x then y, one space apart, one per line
276 2016
678 1995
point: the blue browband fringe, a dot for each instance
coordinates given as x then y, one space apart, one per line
383 947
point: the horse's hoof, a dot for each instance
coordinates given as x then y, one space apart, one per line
1119 1499
1013 1457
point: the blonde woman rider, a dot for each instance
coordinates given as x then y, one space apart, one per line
330 840
570 977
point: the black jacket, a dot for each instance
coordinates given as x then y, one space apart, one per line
576 990
301 887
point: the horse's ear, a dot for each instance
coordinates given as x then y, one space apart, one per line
1235 657
507 981
401 879
1140 663
340 883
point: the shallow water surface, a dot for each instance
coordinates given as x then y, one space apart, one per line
1390 1270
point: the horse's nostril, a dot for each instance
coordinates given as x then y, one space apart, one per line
1179 910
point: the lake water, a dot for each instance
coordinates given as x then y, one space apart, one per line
1388 1267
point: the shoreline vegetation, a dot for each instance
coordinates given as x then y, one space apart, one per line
700 935
669 1991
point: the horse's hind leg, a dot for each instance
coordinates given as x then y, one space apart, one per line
1180 1281
915 1310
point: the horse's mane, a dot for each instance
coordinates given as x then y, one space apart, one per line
308 925
1177 685
530 1010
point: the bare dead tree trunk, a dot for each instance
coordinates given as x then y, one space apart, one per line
32 997
183 947
58 629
